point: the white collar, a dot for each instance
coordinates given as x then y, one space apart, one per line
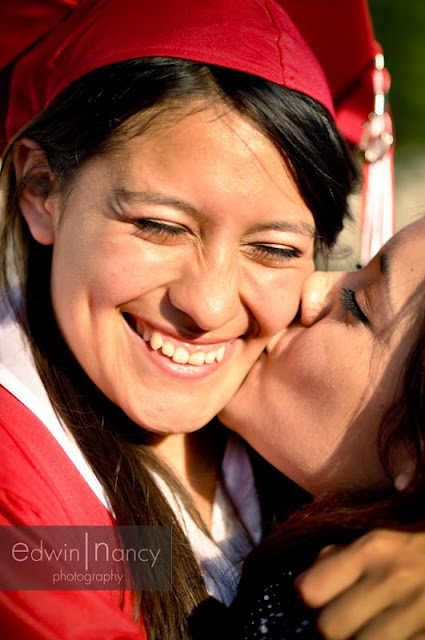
218 556
19 376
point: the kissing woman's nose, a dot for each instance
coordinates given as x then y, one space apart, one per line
317 296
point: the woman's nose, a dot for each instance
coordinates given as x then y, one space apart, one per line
317 296
208 293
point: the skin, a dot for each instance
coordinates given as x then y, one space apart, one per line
372 589
195 229
213 280
96 292
322 390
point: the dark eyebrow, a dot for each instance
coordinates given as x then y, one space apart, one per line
124 196
153 197
384 262
302 228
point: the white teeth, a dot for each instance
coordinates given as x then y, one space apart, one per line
156 341
220 354
197 358
210 357
181 356
168 349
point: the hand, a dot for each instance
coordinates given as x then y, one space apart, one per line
373 589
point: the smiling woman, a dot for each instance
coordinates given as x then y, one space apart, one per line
199 261
165 192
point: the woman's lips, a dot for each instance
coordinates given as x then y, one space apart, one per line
176 350
283 339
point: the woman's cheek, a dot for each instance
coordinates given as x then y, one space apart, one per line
145 268
278 299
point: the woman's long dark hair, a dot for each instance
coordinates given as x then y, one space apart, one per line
90 117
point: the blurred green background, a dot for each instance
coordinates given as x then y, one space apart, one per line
400 28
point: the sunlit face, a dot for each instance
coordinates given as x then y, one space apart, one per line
313 404
176 258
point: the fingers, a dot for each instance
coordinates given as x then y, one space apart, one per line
375 607
333 572
328 550
340 568
326 580
371 589
405 621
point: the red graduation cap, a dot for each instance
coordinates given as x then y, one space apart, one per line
328 55
341 36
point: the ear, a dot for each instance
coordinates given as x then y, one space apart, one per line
405 475
32 170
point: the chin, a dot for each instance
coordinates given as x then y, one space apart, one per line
171 423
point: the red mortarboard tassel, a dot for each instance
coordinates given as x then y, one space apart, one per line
377 217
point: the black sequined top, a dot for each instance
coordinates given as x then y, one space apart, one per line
275 613
270 610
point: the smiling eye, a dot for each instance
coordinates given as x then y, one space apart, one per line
349 302
158 229
271 255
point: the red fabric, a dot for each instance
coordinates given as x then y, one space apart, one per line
240 35
25 21
39 485
255 36
341 36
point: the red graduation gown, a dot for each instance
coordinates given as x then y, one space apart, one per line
39 485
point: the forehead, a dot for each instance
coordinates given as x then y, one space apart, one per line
203 128
211 158
406 251
411 236
404 260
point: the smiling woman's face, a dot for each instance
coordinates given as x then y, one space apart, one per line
313 404
175 258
